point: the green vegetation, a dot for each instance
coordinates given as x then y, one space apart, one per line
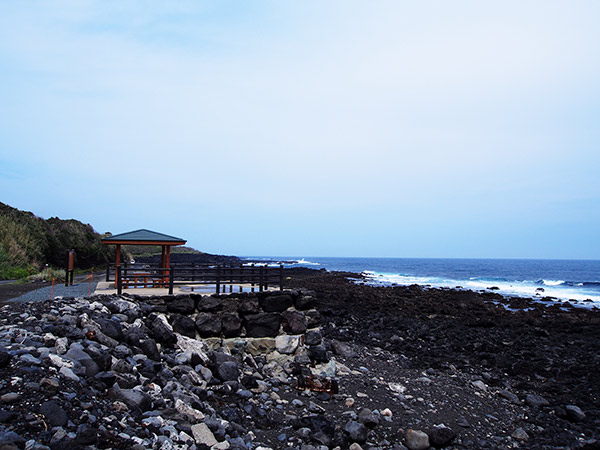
28 241
48 274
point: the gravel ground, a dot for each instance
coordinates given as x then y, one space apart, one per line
60 290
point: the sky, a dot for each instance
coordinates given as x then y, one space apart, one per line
313 128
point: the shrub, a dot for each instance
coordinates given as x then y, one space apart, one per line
47 275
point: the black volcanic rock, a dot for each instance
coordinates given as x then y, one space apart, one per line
262 325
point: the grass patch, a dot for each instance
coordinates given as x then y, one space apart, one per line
48 274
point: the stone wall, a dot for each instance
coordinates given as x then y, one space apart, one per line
281 324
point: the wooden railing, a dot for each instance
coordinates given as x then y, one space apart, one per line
222 276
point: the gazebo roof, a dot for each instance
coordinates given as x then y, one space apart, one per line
143 237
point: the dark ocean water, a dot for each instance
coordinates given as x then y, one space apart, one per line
563 279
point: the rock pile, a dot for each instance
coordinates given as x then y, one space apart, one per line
184 372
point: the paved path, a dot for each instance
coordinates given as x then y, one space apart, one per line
79 289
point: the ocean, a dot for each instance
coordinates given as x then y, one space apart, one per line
575 280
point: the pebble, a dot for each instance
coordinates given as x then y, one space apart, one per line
480 385
574 413
416 440
10 397
520 434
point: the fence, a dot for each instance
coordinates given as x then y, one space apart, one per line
222 276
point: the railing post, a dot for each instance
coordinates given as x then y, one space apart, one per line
107 272
241 277
119 280
252 272
218 283
260 279
281 277
171 279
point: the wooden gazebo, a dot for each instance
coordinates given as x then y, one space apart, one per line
144 237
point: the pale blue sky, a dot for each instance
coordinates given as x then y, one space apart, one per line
309 128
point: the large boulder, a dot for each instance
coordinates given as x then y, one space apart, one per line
209 304
208 325
231 325
161 330
293 322
276 302
111 328
183 325
181 305
249 305
263 325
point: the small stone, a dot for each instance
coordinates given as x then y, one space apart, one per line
520 434
574 413
387 412
313 337
441 436
228 371
536 401
49 384
462 422
356 431
480 385
10 397
511 397
355 446
350 402
417 440
368 418
203 435
30 359
68 374
54 413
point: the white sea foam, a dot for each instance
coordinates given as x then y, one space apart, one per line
530 289
553 282
307 263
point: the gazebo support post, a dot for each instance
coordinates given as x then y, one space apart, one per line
117 263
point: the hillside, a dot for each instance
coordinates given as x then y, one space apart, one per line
30 241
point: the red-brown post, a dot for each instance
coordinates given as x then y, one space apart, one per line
117 262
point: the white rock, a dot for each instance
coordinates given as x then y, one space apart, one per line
397 388
480 385
187 410
187 344
287 344
61 345
203 435
59 361
68 373
325 370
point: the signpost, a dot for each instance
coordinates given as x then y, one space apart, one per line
70 271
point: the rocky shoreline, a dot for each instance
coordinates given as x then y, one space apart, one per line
327 363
